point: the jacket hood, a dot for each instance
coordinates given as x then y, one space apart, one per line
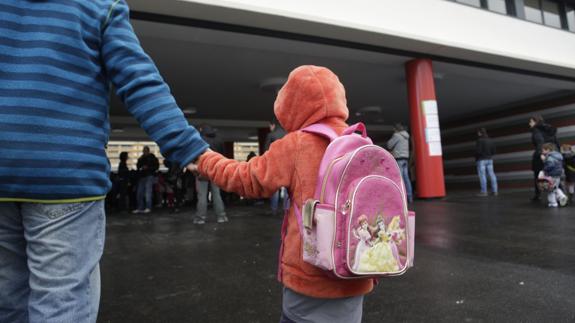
310 95
556 155
547 129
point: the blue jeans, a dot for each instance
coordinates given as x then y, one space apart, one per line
49 256
202 206
274 199
484 166
144 193
404 168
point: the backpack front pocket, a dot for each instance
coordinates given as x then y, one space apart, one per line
377 241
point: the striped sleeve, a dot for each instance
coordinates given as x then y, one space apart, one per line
143 91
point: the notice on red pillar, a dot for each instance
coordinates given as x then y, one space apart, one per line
432 132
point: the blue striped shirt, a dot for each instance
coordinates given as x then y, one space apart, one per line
57 61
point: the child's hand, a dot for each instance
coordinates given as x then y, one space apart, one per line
193 166
542 157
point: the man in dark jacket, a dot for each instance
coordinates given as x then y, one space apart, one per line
202 185
147 166
484 151
541 133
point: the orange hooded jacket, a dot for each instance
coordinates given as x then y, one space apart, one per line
311 95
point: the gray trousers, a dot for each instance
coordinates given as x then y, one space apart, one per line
202 206
304 309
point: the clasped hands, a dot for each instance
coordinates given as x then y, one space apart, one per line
193 166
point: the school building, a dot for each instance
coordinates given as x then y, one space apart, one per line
442 67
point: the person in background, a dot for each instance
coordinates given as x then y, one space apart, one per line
60 60
123 197
484 152
398 144
147 166
553 168
569 167
251 155
276 133
174 188
541 133
203 184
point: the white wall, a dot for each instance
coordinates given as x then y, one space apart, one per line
437 27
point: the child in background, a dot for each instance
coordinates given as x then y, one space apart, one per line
553 167
569 165
311 95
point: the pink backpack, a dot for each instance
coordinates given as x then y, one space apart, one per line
357 225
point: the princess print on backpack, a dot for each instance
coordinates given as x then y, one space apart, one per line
383 256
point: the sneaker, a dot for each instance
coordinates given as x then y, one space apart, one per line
495 193
222 218
199 221
136 211
482 194
146 211
563 200
552 205
535 198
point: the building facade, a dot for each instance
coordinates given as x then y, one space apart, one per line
444 67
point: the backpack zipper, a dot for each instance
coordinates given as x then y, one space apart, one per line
326 177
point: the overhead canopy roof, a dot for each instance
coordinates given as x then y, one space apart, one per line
220 74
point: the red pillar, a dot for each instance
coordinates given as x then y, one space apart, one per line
425 129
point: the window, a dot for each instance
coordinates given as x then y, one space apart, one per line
570 12
533 11
475 3
551 14
497 6
134 150
243 149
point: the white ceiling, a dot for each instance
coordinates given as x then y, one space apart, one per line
220 73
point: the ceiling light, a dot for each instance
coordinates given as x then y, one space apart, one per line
272 84
253 136
189 111
369 110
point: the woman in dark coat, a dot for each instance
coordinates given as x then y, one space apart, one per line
541 133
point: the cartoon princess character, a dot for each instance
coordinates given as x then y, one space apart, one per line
380 257
397 235
395 232
364 236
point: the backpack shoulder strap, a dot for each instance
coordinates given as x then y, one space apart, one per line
321 130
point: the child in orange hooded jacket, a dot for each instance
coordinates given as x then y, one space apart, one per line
311 95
